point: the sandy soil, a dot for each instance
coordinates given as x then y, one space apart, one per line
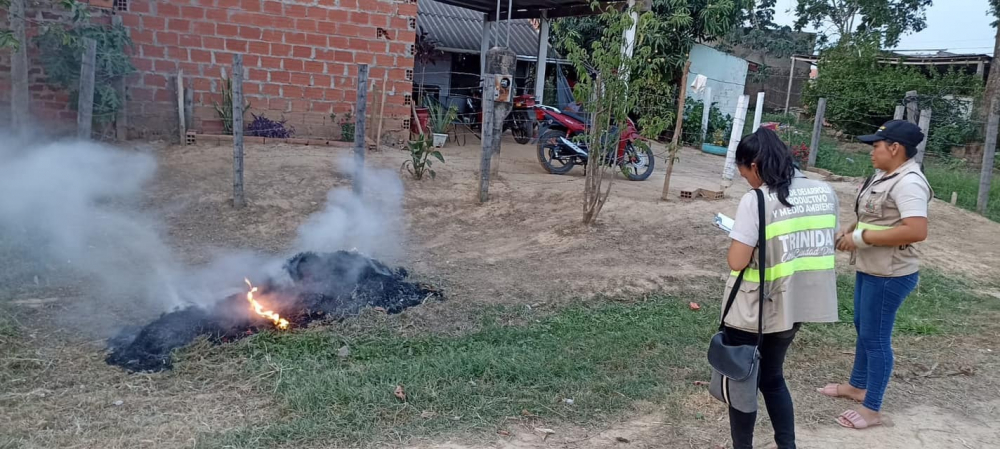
525 246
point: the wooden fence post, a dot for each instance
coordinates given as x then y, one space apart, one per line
20 95
85 109
925 127
706 114
489 93
817 132
900 111
360 118
238 199
181 121
675 144
989 152
912 109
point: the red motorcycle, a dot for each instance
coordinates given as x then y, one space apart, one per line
558 152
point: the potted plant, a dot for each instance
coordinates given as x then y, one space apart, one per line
441 118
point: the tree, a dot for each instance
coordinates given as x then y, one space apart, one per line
890 19
759 34
7 39
992 95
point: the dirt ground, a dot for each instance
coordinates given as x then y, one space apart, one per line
526 246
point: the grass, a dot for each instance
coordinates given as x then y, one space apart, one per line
605 357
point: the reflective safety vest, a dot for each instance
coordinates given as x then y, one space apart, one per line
876 210
800 277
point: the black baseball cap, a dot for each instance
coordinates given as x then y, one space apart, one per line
901 131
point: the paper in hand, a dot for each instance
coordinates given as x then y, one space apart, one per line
723 222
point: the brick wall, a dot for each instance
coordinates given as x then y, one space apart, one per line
300 59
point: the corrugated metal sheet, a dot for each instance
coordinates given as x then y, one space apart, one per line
462 29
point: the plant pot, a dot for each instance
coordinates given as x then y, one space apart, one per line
440 140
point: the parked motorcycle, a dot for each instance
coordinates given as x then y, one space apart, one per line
519 121
559 152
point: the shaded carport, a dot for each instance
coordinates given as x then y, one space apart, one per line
496 11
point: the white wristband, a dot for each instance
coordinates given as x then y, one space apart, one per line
858 237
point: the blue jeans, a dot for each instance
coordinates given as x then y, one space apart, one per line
876 300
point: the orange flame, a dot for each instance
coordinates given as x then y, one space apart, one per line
259 309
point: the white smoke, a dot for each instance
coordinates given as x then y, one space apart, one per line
72 213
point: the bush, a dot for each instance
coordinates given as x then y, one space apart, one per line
693 111
264 127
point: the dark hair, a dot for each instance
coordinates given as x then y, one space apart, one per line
911 152
774 162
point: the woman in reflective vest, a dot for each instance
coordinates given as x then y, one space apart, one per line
801 217
892 215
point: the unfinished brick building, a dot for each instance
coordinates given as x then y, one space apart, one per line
300 59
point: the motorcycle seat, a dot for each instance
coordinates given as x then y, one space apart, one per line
577 116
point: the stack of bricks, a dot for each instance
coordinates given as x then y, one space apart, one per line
300 59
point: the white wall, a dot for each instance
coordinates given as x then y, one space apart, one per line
727 76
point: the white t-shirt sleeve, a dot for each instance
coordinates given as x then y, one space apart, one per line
747 223
911 195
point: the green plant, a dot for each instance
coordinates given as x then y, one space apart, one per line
225 110
61 49
442 117
346 126
421 150
717 122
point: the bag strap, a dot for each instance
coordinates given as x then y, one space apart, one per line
761 256
761 263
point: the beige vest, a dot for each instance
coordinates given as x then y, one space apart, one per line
801 284
876 210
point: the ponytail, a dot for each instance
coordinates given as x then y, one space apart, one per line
774 162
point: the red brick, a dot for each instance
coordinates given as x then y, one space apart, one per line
204 28
280 77
272 36
167 38
190 40
338 16
241 18
302 52
201 56
336 69
165 9
295 38
364 58
316 13
228 4
177 53
227 30
292 64
316 40
131 21
321 106
314 93
313 67
163 95
154 80
189 67
399 48
296 11
385 7
238 45
251 5
399 23
269 63
142 64
213 43
154 23
138 7
350 4
344 56
281 50
142 36
152 51
350 30
179 25
270 89
378 47
327 28
299 105
217 15
273 8
259 48
193 12
308 25
258 75
357 44
283 23
251 60
407 9
214 70
250 32
361 18
339 42
277 104
299 79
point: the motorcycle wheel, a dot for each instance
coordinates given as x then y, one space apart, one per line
521 129
638 164
548 145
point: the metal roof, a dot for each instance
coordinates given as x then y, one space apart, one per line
530 9
460 30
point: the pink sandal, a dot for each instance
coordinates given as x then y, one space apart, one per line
831 390
853 420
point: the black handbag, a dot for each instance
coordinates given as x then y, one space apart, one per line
736 369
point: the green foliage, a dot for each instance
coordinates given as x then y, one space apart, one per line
420 163
759 34
717 122
347 126
442 117
888 19
225 110
863 93
61 50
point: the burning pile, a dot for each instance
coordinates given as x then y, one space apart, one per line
325 286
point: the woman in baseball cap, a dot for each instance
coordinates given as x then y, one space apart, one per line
891 209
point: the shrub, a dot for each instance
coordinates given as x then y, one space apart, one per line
264 127
421 150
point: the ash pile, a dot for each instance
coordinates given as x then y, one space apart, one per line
325 286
